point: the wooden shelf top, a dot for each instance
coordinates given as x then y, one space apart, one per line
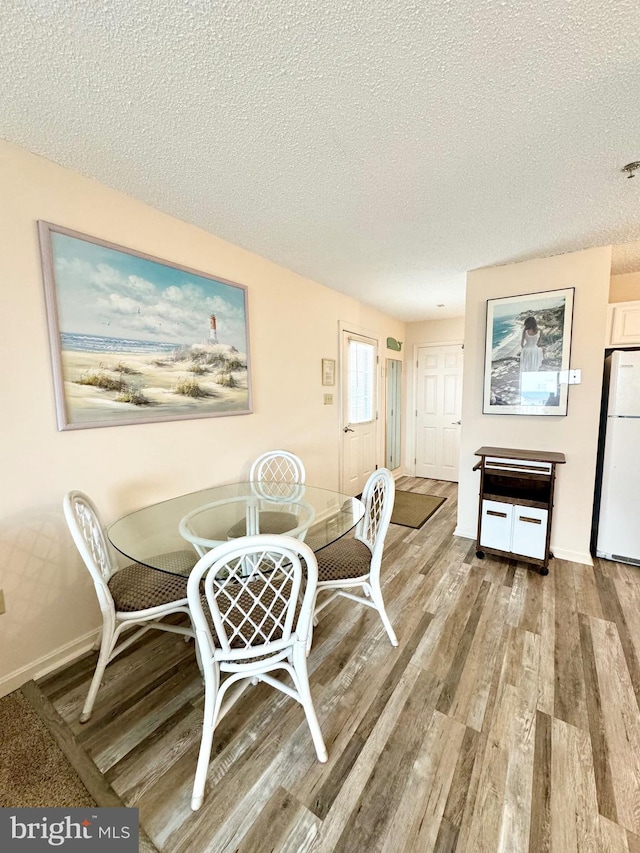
525 455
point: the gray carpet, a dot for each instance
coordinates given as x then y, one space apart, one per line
34 772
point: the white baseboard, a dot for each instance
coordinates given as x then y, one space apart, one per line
466 534
572 556
48 663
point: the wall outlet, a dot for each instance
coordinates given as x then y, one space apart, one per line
2 607
328 399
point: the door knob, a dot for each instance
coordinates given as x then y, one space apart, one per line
348 429
456 423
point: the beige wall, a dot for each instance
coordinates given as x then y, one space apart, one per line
51 609
575 435
434 332
625 287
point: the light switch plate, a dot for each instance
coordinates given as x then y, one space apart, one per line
571 377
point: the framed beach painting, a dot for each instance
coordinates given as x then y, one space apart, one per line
136 339
527 352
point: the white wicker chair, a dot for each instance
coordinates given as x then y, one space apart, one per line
135 595
277 475
251 618
353 562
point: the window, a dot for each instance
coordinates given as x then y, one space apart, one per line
361 381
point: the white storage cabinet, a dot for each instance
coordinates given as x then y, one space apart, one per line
516 504
623 321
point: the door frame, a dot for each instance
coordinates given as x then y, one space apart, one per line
411 437
365 333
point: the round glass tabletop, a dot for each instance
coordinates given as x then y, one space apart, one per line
171 535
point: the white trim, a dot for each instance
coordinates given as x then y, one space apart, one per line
411 420
572 556
49 662
465 533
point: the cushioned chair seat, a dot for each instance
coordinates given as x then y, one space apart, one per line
270 522
137 587
343 559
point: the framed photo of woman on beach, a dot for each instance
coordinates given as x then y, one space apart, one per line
136 339
527 353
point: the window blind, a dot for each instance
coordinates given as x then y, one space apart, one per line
361 382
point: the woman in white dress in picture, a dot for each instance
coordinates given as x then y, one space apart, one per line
531 355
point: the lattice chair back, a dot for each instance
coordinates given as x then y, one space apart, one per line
378 497
88 534
252 591
278 472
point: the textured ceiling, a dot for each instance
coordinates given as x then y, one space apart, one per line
380 147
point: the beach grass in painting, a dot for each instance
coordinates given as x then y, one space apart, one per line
135 339
510 385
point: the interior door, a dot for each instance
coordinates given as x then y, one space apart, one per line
438 411
359 370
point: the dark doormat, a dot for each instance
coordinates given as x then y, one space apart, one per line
412 509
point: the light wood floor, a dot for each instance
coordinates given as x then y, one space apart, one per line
507 720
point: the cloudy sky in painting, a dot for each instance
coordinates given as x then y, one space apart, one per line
512 306
101 291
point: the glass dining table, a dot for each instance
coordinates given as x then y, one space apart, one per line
171 535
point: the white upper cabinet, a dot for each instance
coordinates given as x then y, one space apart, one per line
623 324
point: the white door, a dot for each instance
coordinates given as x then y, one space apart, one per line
438 411
359 410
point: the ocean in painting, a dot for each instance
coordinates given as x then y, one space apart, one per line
73 342
535 398
502 327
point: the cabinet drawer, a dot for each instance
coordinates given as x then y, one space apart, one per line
495 530
515 466
529 531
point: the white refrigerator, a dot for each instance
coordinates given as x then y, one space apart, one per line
619 519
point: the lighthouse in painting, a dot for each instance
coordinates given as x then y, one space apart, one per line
213 335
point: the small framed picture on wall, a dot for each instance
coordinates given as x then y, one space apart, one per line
328 371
